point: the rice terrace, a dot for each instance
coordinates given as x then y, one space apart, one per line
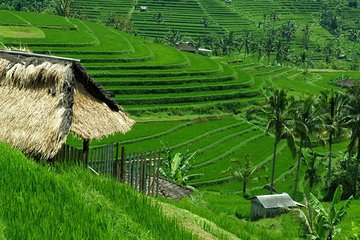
180 119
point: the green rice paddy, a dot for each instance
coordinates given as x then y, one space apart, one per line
185 100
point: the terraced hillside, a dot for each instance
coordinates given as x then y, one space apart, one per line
188 16
143 77
102 9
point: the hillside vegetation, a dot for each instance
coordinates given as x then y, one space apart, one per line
189 102
68 202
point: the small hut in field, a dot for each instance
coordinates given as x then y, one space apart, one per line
269 206
44 98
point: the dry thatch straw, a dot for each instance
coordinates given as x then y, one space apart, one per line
42 99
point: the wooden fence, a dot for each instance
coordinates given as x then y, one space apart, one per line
139 170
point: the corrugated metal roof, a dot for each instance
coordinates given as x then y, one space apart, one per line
276 200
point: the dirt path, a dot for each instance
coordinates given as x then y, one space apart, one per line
200 227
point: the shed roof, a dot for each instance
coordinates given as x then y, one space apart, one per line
187 47
43 98
276 201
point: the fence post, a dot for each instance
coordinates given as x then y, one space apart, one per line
115 162
158 173
122 164
86 151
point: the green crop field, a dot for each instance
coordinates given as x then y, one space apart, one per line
187 101
54 201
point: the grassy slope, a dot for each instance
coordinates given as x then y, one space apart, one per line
62 202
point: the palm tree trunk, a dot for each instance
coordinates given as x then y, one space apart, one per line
244 188
273 167
348 160
357 168
330 155
298 170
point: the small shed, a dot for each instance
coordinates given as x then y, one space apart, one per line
143 8
204 51
268 206
186 47
44 98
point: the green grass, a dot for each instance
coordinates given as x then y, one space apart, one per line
10 18
21 32
68 202
221 209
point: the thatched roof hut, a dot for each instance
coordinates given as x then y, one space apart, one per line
43 98
268 206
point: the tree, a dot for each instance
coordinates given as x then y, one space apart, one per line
282 52
322 222
227 44
206 22
328 51
331 106
353 122
353 3
121 23
173 38
305 40
276 109
274 16
312 173
159 18
354 35
269 43
243 172
304 124
355 61
63 7
259 49
288 30
331 20
247 42
304 60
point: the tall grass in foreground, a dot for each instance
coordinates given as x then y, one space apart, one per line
68 202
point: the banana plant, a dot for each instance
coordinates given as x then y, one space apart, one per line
177 167
322 222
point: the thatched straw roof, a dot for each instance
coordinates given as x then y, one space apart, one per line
43 98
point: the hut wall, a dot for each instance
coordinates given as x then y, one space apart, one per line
273 212
259 212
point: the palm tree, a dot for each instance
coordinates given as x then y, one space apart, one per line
331 105
306 37
304 59
63 7
247 42
243 172
268 43
282 52
353 122
304 123
312 173
288 30
159 18
276 109
354 35
173 38
258 48
206 22
328 51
